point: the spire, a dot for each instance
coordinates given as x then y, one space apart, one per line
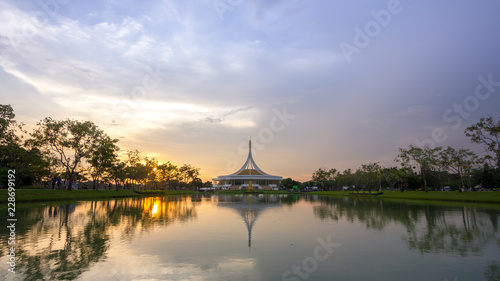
250 163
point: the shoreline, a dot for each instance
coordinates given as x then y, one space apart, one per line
38 195
488 197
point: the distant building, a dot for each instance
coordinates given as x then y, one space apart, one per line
248 175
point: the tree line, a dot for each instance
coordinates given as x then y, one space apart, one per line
79 150
423 168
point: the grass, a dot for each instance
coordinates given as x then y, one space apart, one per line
253 191
478 196
330 193
165 192
440 203
35 195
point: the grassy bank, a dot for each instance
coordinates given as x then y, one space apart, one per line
35 195
165 192
229 192
483 197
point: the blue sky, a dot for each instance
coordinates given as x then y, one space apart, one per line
190 81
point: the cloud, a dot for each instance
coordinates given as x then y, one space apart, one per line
173 71
212 119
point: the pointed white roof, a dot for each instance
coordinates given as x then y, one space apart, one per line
249 170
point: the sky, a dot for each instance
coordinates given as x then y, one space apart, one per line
332 84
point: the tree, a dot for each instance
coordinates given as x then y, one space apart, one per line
151 166
288 183
117 172
29 162
187 172
8 125
323 176
372 174
102 157
460 161
487 133
136 170
167 172
71 140
425 158
346 178
193 173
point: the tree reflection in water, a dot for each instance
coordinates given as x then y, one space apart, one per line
492 272
452 229
59 242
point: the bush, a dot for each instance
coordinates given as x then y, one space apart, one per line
453 185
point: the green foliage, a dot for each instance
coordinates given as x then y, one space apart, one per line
288 183
32 195
80 147
425 158
70 140
459 161
487 133
30 163
323 177
103 156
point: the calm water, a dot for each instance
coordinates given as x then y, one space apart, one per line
254 238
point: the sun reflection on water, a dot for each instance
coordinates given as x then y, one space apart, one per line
155 210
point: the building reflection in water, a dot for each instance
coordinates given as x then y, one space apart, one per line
250 207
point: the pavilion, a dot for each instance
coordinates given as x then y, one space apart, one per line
249 176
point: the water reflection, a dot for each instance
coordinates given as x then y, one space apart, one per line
249 207
459 229
492 272
59 242
208 238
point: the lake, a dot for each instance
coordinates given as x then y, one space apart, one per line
249 237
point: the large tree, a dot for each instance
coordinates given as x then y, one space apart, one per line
425 158
71 140
372 175
117 172
102 156
487 133
459 161
324 177
8 125
29 162
167 172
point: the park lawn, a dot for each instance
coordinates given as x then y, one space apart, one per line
330 193
166 192
229 192
33 195
474 196
477 196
